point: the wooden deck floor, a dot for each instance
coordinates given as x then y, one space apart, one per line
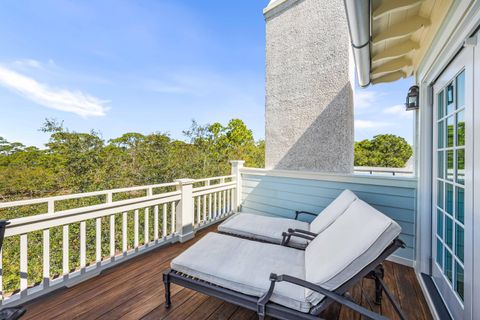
134 290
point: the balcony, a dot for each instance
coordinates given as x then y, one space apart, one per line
134 290
106 260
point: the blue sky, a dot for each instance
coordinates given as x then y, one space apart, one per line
121 66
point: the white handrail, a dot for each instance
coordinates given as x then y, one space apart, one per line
214 178
82 195
49 220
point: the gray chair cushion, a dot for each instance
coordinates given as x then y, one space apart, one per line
245 266
270 229
347 246
334 210
263 228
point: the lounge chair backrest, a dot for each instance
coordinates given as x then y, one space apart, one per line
347 246
333 211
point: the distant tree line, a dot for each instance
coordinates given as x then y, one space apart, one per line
82 162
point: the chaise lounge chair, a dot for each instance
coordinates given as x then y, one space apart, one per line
287 283
285 231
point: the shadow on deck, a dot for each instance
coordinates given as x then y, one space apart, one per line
134 290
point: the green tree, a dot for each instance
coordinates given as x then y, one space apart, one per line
385 150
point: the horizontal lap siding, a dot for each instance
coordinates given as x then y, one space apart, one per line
279 196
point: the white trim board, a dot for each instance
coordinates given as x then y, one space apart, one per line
401 182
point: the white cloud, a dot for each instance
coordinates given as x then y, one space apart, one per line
369 124
365 99
31 63
59 99
398 111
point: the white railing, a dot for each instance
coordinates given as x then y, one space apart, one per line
384 171
213 201
60 248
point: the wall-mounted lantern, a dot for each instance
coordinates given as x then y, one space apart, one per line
413 100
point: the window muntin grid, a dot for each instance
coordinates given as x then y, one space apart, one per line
450 180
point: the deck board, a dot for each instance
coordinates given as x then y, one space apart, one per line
134 290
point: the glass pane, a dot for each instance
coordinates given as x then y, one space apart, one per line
441 109
440 253
450 130
440 223
459 242
461 89
449 196
450 105
441 134
440 200
440 162
461 166
459 282
450 170
448 232
460 205
448 264
461 128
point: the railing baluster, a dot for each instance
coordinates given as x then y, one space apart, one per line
155 223
51 206
228 200
98 240
135 231
209 206
224 207
198 210
83 246
164 221
215 205
145 226
23 265
173 217
124 233
65 246
46 258
112 237
109 197
219 212
204 208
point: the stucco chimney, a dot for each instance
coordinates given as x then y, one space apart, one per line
309 86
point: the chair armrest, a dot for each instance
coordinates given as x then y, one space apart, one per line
4 223
286 236
330 294
297 213
313 234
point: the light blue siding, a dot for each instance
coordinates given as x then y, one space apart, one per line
282 196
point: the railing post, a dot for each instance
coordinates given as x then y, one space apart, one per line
184 210
236 166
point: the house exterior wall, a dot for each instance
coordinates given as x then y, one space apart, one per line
460 23
283 194
309 95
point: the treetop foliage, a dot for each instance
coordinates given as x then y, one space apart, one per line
384 150
80 162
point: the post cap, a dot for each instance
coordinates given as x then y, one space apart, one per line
185 181
237 161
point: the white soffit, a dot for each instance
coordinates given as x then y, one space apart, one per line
402 31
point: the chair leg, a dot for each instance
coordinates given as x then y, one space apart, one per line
378 275
390 297
166 281
12 313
